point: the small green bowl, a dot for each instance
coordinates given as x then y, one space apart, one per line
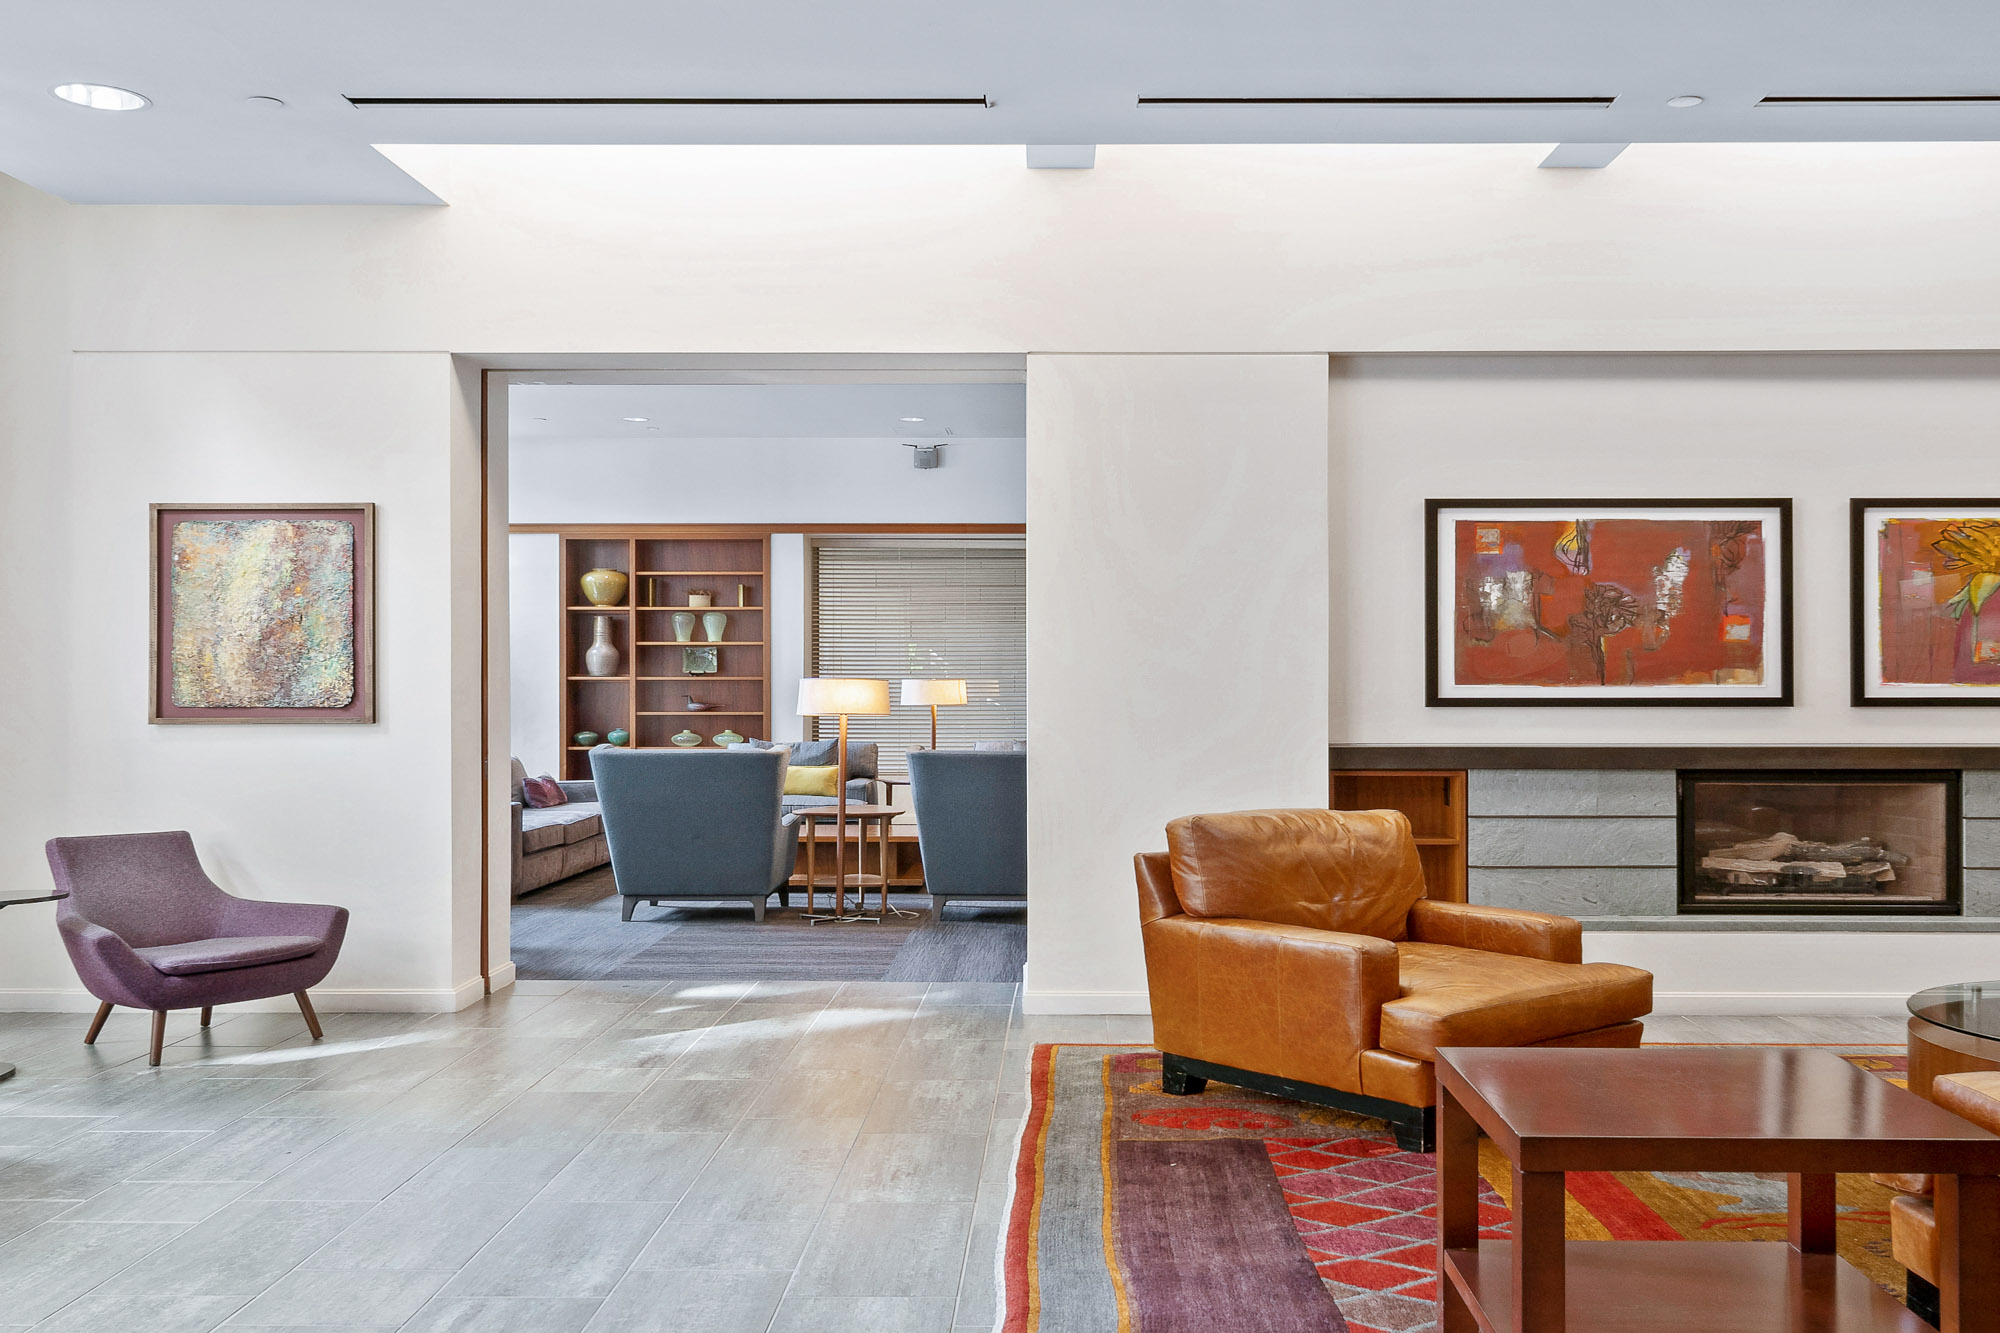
585 738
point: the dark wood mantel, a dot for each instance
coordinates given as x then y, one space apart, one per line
1433 757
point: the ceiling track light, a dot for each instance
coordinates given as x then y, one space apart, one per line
101 97
669 101
1378 101
1933 99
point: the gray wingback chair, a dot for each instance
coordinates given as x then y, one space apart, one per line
702 825
972 823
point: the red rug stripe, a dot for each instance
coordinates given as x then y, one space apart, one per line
1026 1173
1623 1213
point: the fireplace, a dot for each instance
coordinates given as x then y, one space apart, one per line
1829 842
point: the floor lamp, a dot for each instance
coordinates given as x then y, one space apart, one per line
933 692
837 696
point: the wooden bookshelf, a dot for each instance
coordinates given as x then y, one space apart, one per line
664 565
1434 799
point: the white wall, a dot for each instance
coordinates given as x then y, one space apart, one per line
1161 248
803 481
362 816
1177 592
1820 430
647 252
534 657
790 628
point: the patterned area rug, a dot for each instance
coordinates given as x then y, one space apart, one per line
1138 1212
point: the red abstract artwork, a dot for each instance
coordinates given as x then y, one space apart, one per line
1935 581
1599 603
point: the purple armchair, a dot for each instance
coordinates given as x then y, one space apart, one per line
148 929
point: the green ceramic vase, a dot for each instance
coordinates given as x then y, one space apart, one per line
585 738
686 739
728 738
618 736
604 587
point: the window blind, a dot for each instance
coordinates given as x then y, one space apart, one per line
910 607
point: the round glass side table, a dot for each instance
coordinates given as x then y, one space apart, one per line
7 1070
1953 1029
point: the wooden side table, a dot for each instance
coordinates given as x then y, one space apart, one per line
1802 1112
7 1070
861 816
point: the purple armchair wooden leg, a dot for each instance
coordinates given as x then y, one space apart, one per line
159 1035
207 1012
312 1019
97 1024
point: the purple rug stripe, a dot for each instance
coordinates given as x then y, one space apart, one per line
1207 1243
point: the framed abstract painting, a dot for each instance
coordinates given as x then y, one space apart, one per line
263 613
1926 615
1560 603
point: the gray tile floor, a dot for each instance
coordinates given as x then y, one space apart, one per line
617 1157
633 1157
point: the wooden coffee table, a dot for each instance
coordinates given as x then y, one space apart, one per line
1806 1113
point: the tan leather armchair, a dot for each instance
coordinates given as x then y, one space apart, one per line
1913 1224
1293 951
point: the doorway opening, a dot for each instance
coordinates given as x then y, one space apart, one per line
683 550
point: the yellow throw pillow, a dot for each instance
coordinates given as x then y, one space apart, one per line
812 780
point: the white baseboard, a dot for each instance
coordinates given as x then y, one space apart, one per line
1842 1004
1085 1002
326 999
502 976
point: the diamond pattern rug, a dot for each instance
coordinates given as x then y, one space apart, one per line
1126 1215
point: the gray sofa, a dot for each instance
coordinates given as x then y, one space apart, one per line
701 825
557 842
863 767
972 823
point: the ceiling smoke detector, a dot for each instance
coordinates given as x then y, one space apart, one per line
926 455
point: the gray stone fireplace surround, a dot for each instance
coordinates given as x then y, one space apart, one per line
1599 843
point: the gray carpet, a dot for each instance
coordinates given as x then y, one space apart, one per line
570 931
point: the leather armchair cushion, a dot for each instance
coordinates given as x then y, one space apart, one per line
1913 1237
1498 930
1350 871
220 955
1284 1000
1468 997
1976 1096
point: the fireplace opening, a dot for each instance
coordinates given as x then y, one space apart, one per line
1827 843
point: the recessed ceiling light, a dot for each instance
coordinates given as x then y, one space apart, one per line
1685 99
100 96
263 103
538 418
637 418
909 418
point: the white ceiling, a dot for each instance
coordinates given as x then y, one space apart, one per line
555 412
1054 71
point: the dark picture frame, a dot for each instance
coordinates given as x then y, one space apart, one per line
1775 691
1868 688
162 708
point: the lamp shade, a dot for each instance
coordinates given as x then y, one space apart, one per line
825 696
933 692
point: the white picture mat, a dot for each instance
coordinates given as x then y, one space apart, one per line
1771 618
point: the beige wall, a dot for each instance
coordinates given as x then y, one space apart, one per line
1819 429
363 816
1233 248
1177 601
284 352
